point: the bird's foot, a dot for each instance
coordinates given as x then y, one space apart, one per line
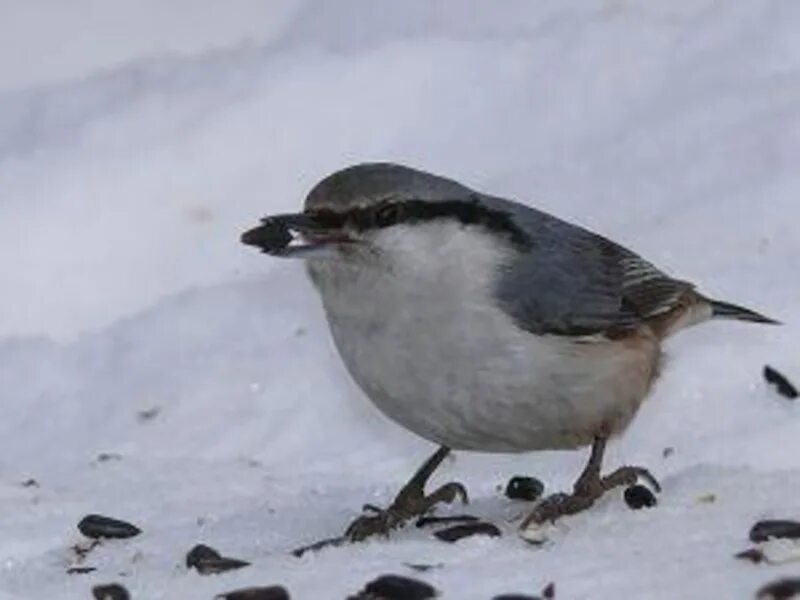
411 502
587 490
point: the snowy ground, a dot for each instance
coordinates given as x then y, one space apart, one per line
135 145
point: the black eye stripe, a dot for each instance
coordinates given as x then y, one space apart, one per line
396 212
388 214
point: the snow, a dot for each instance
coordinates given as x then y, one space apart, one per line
132 156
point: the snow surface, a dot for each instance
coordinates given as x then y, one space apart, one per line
138 139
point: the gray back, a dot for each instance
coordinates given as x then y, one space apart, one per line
564 280
575 282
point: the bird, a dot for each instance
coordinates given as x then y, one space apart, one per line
484 324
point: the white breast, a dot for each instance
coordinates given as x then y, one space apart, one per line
417 328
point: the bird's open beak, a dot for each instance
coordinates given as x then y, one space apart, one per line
297 235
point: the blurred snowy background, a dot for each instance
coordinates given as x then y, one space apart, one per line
139 138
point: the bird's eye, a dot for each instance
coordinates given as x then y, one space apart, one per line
387 215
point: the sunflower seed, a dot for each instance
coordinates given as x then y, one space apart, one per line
524 488
459 532
98 526
208 561
638 496
80 570
112 591
754 555
783 589
396 587
273 592
775 528
424 521
781 383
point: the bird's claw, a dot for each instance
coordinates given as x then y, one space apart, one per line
410 503
555 506
369 525
587 491
628 475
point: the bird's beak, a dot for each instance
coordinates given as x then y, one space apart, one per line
297 235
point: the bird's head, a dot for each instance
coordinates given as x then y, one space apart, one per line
370 209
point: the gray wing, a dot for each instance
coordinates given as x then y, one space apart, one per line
574 282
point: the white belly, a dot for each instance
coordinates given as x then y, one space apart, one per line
434 353
457 387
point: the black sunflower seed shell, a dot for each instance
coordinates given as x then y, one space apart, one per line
524 488
112 591
781 382
774 528
783 589
459 532
272 592
98 527
396 587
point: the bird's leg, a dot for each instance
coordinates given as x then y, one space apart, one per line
588 488
410 502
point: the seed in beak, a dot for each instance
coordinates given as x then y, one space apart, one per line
272 236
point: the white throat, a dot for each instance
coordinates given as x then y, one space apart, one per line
407 267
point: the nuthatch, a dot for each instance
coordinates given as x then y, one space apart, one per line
482 324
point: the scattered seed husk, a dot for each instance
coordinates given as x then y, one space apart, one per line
524 488
98 527
82 550
425 521
537 534
423 568
754 555
782 384
548 593
638 496
779 551
208 561
272 592
201 552
215 566
459 532
774 551
708 498
112 591
774 528
783 589
320 545
148 414
108 456
80 570
396 587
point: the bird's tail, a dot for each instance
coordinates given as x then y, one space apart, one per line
726 310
